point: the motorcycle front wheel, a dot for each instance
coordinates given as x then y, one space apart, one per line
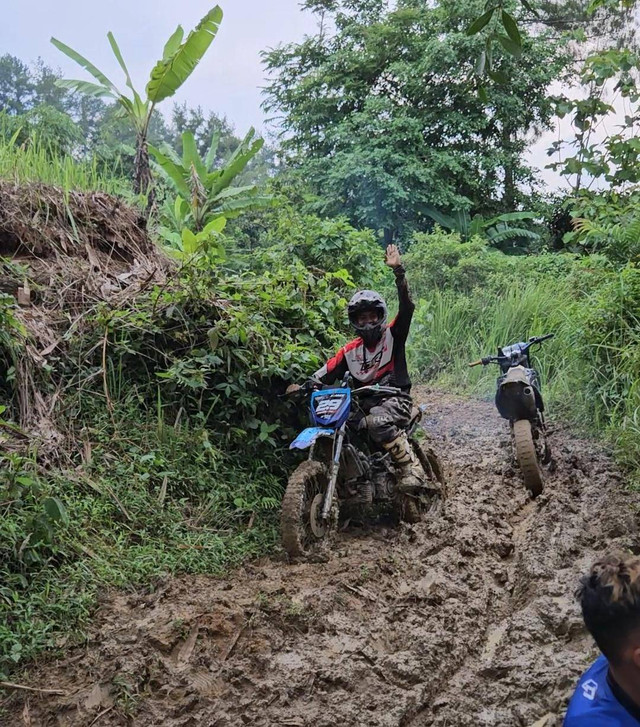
302 531
527 456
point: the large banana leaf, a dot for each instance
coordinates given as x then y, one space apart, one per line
127 106
511 217
440 218
221 179
170 152
171 72
477 225
215 226
213 151
86 87
139 108
234 207
230 192
175 172
191 157
172 45
116 52
462 222
498 235
87 65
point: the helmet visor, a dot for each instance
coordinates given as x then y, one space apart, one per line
366 316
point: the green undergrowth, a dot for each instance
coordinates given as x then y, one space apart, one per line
176 440
147 505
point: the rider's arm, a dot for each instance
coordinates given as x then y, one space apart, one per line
406 306
333 370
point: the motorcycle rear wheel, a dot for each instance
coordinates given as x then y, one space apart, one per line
527 457
410 509
302 534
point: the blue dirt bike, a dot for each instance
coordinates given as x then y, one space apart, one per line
519 399
345 473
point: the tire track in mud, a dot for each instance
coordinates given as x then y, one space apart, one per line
467 619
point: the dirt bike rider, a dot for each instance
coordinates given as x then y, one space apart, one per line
377 356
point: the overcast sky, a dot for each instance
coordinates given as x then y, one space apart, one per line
227 81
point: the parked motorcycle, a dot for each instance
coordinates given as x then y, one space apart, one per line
519 399
345 472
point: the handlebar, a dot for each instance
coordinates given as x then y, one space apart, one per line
373 389
308 385
540 339
496 359
486 360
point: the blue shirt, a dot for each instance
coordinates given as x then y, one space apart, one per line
594 703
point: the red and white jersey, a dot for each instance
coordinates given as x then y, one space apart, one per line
366 365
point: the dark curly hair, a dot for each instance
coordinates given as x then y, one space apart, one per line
610 599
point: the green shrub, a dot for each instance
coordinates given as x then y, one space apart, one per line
159 481
151 500
283 235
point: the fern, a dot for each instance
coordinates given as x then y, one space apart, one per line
620 242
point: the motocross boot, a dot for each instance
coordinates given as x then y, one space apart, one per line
411 476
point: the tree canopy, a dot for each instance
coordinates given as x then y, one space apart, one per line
378 115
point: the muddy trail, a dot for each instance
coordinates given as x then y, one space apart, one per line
464 620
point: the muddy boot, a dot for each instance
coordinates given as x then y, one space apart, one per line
411 476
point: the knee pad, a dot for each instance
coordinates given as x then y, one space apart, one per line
380 426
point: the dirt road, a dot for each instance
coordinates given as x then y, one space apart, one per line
465 620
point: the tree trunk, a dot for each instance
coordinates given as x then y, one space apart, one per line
143 181
509 194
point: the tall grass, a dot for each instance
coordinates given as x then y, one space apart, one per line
452 329
590 371
37 162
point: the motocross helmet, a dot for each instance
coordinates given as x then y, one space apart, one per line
368 300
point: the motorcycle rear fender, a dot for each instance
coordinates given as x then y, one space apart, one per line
521 376
516 375
308 436
511 400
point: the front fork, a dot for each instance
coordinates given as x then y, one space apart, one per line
333 473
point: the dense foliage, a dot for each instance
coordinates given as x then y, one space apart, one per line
164 396
382 120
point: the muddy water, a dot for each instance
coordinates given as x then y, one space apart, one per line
464 620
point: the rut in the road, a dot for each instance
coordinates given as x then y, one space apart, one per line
464 620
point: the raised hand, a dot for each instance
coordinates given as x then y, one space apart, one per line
393 256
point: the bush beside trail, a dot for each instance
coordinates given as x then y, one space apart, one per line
132 389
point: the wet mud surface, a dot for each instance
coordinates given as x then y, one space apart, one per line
467 619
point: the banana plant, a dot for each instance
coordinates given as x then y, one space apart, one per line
208 240
204 193
179 59
496 229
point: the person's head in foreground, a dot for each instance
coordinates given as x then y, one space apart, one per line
609 691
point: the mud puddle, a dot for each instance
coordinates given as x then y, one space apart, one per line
464 620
